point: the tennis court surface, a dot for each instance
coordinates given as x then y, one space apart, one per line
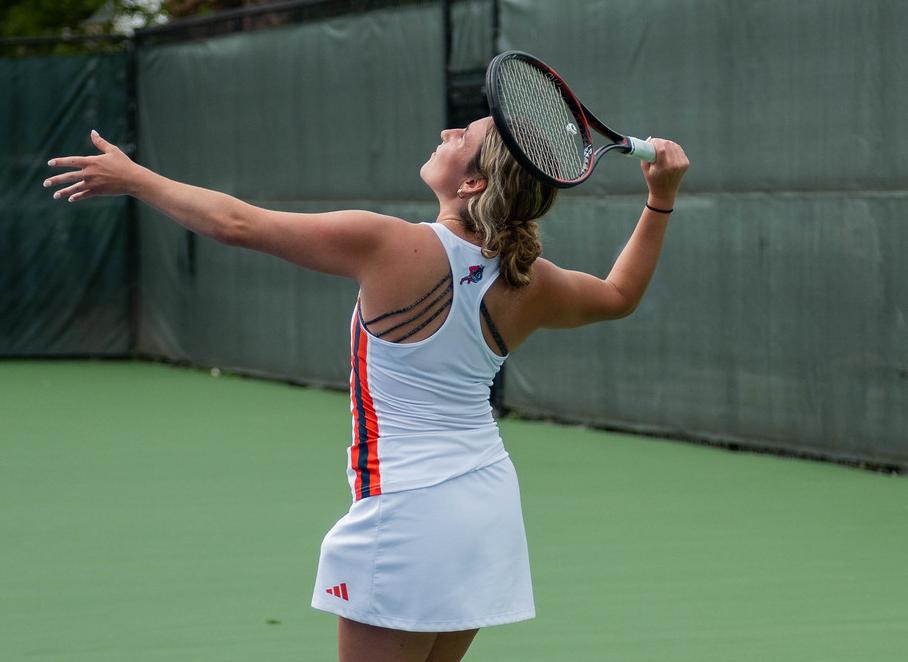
157 513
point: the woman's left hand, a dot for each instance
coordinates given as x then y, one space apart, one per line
664 176
109 173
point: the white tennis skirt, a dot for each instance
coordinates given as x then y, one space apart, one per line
448 557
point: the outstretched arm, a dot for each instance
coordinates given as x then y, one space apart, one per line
574 298
339 242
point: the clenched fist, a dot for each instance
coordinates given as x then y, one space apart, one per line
664 176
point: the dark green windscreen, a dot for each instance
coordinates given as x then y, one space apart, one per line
773 320
328 115
63 267
777 314
765 96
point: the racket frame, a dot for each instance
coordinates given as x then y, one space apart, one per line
585 120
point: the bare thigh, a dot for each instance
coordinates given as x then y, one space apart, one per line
451 646
359 642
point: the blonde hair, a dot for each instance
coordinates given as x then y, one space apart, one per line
504 215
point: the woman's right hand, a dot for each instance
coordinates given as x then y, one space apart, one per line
664 176
109 173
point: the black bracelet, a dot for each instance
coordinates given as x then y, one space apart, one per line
660 211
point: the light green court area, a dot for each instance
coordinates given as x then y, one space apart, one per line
152 513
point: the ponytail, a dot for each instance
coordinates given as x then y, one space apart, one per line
504 215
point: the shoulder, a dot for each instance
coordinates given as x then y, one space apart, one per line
563 298
544 275
542 270
399 244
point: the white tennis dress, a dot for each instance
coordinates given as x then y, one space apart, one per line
434 539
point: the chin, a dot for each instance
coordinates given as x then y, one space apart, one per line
425 172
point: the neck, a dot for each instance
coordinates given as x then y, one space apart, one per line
452 210
451 214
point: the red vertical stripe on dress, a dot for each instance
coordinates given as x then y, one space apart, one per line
354 448
372 462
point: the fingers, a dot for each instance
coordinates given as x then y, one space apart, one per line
78 189
71 161
75 192
65 178
77 176
70 190
81 195
663 178
659 147
82 161
669 154
99 142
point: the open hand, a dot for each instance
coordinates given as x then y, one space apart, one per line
109 173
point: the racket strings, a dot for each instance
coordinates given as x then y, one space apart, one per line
540 120
552 116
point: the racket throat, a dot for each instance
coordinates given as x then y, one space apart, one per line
624 147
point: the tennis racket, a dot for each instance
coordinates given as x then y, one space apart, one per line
544 125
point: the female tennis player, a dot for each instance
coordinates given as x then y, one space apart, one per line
433 546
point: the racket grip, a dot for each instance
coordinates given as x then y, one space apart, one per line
641 149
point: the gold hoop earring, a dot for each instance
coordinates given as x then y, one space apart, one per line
460 194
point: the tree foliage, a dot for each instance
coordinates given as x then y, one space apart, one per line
47 18
39 18
75 18
44 18
186 8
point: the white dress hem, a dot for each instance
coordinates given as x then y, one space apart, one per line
341 609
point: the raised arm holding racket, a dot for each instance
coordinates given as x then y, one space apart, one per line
433 546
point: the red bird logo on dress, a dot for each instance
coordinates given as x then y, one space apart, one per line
474 276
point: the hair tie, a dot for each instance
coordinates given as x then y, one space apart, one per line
657 210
